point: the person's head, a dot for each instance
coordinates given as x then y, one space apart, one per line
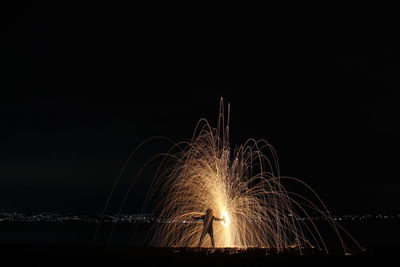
209 212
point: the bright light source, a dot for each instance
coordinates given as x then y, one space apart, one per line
226 219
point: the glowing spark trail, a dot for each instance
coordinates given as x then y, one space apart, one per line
243 186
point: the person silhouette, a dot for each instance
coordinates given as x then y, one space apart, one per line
208 219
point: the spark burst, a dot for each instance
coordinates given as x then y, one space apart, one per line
243 186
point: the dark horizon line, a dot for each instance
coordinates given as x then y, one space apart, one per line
372 212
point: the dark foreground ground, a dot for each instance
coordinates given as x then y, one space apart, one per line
69 244
69 255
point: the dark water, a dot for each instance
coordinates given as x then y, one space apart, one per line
70 244
370 234
67 255
72 233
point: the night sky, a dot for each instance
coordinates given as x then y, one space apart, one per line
83 84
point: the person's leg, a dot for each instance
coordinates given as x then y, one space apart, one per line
203 234
212 238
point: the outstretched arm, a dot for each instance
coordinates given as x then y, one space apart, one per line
199 217
218 219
